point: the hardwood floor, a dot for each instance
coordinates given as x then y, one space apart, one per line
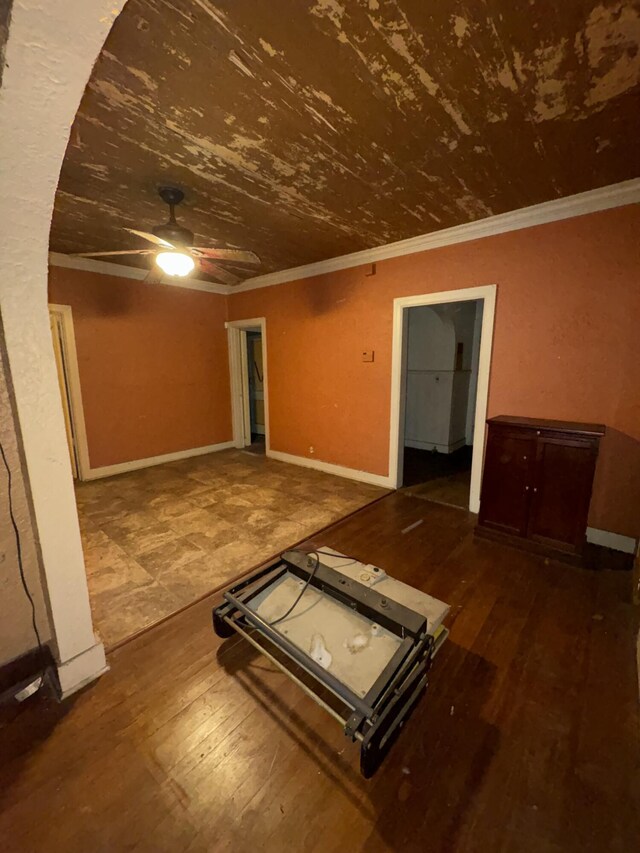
527 740
440 477
157 539
452 490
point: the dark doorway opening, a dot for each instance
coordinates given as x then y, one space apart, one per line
440 375
444 478
255 368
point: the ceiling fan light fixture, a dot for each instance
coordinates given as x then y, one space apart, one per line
175 263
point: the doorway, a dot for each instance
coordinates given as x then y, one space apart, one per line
66 360
440 378
249 383
255 390
440 374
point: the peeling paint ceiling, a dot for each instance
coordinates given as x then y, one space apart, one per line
305 130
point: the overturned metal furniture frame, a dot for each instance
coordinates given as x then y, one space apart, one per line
374 719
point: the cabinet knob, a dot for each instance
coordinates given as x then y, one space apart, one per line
538 432
535 489
526 488
525 458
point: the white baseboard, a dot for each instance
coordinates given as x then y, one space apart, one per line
81 670
136 464
330 468
616 541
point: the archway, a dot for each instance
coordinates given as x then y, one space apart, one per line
50 52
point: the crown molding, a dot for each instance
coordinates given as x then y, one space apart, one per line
57 259
592 201
614 195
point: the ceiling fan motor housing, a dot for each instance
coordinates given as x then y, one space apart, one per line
174 233
171 231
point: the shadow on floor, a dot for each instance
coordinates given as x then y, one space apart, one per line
436 767
257 446
295 715
440 760
441 477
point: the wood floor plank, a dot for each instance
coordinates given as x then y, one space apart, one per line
525 741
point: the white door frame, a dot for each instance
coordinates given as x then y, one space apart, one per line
239 376
396 447
72 375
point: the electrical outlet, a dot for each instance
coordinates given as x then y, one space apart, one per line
367 355
312 450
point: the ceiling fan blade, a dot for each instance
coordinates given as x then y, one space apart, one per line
218 272
107 254
239 256
151 238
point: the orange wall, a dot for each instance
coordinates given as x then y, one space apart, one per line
565 345
153 364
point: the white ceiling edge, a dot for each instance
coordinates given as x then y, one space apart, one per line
57 259
614 195
604 198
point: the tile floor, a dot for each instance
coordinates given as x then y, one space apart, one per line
157 539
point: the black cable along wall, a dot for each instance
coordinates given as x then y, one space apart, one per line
19 556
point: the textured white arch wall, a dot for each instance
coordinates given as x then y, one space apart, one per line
51 50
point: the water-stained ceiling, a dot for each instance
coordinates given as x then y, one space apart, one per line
307 129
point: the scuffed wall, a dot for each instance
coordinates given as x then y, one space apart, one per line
153 365
565 345
16 631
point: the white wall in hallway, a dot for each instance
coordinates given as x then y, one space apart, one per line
438 394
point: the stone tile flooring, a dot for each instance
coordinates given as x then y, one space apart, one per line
157 539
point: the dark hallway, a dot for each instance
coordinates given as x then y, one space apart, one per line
441 477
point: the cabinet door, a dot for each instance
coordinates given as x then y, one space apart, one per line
561 491
508 470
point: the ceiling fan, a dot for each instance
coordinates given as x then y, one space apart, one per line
174 251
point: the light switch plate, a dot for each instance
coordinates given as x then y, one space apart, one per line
367 355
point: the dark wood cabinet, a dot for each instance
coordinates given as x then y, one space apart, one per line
537 482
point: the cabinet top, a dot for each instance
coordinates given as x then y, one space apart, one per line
541 423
